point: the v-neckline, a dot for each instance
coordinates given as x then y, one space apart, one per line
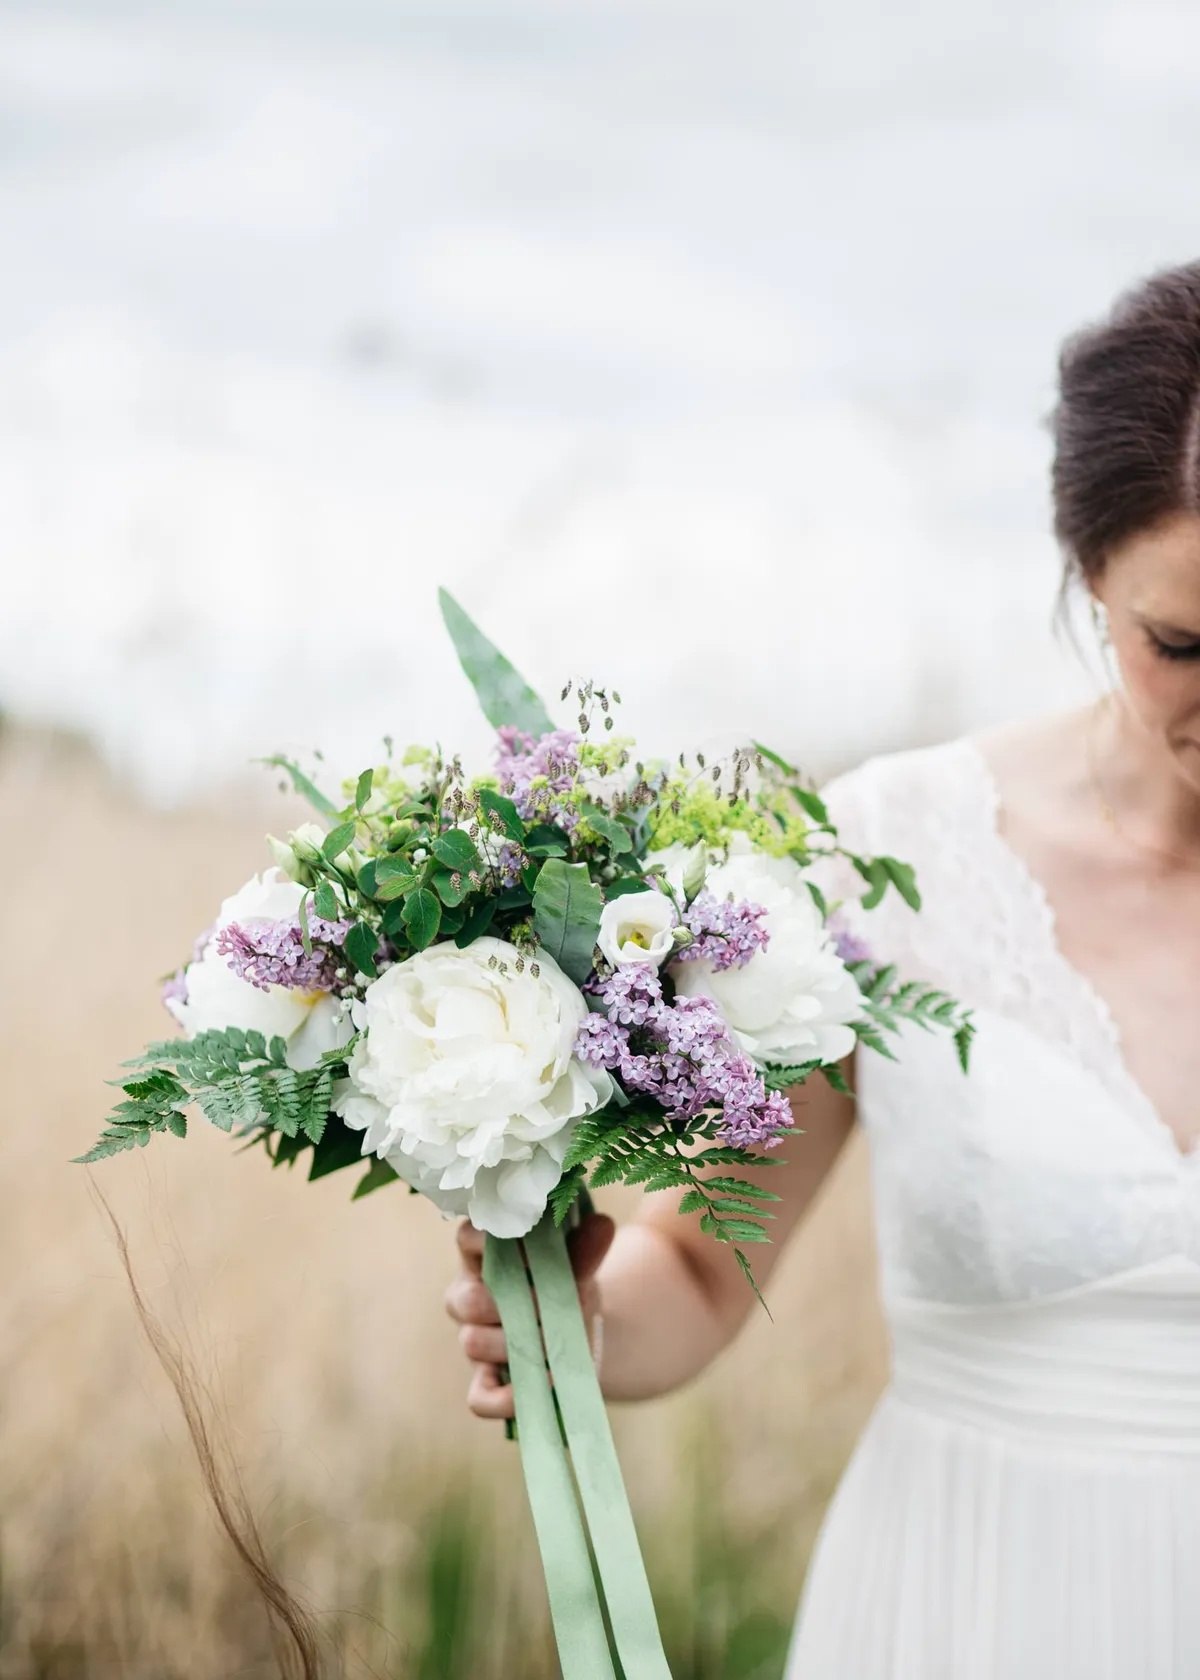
1089 997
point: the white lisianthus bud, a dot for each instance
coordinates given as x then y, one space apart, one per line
287 862
637 927
306 841
695 869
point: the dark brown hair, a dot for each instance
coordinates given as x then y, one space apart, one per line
1127 424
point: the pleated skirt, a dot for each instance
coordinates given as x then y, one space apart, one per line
1008 1518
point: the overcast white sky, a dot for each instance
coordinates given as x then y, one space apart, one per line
699 352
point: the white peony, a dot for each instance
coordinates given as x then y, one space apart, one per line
793 1001
465 1079
637 927
216 997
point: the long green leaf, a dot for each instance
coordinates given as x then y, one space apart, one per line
566 915
302 785
504 695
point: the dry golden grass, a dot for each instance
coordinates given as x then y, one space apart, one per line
317 1324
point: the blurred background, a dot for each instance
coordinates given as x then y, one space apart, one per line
701 349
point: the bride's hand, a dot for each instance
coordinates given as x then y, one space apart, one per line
469 1302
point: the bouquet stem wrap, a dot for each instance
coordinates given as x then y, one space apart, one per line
547 1340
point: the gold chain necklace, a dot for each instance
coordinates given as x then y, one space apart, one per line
1106 806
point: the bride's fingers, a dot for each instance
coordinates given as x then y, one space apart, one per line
589 1243
483 1343
470 1247
469 1301
487 1396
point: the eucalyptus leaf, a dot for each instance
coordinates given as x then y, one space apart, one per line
811 803
476 924
324 902
361 946
396 886
336 841
456 850
904 880
544 840
503 807
422 917
442 881
609 829
387 867
627 884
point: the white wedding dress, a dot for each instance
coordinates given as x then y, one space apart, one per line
1025 1501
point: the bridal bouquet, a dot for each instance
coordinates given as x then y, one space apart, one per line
501 989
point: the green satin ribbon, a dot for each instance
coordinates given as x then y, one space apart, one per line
609 1522
594 1457
583 1648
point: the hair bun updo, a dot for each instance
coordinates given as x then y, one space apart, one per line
1127 423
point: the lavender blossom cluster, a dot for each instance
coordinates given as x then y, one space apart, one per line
538 774
725 932
680 1054
270 953
848 945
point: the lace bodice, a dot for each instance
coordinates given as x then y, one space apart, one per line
1047 1167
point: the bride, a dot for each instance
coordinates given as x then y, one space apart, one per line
1025 1501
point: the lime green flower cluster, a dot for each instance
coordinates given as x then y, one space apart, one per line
610 754
691 811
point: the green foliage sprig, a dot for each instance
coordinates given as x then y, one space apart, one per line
238 1080
628 1145
889 1006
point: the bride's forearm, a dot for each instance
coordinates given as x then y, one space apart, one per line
672 1297
662 1322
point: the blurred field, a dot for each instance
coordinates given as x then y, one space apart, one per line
320 1330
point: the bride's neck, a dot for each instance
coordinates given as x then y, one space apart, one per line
1143 784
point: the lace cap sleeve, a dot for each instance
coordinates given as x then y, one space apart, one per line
923 807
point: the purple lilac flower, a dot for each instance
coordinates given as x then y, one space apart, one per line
270 953
680 1054
175 990
510 860
521 760
727 933
846 942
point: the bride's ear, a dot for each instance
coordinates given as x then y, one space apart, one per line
1099 614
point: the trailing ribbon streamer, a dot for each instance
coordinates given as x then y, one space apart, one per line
579 1630
594 1458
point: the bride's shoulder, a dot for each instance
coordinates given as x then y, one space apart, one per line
879 803
958 782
